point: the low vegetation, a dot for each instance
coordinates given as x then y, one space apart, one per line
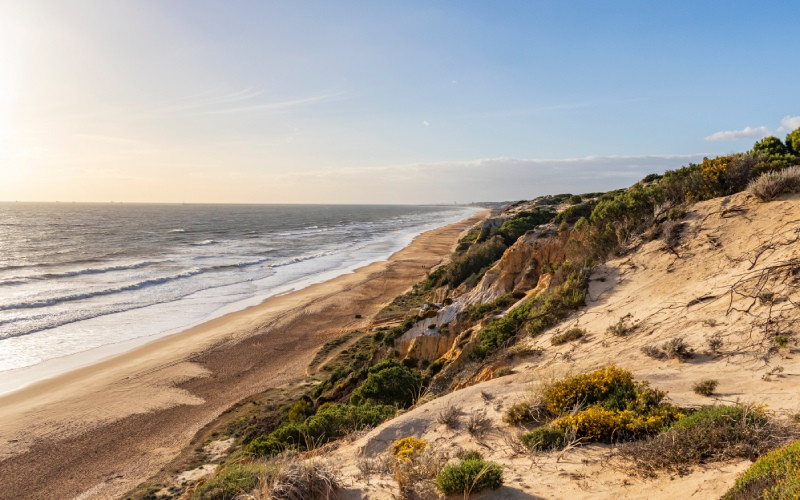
389 383
774 476
470 475
331 421
297 480
675 348
711 434
230 482
605 405
569 336
524 413
770 185
705 387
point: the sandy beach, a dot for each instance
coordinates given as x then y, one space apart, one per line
100 430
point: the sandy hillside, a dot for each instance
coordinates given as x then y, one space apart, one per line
734 278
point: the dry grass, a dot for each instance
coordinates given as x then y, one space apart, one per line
675 348
773 184
450 416
415 477
479 424
298 480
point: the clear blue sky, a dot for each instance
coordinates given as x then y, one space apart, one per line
380 101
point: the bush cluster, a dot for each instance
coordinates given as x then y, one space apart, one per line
604 405
705 387
675 348
712 433
389 382
524 413
470 475
331 421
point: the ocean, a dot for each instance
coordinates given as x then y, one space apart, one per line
81 277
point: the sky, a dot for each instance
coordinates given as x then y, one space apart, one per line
380 102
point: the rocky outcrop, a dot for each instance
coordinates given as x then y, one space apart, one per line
430 345
517 270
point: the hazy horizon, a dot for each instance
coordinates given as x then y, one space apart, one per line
379 103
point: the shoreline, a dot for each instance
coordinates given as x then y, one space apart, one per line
155 397
15 379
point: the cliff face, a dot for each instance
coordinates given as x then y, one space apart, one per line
516 271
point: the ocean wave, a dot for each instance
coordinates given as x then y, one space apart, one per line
18 280
177 230
99 293
204 243
149 282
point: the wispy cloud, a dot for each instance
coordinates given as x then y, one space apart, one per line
266 105
745 133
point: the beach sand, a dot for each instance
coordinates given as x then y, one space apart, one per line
100 430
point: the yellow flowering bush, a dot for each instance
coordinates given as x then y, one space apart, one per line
599 424
589 388
607 405
408 448
713 171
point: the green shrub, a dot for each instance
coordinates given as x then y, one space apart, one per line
229 482
574 199
523 222
332 421
774 476
705 387
544 438
300 410
568 336
388 382
523 413
469 476
473 261
501 303
497 333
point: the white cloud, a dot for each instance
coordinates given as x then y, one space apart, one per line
789 123
425 122
745 133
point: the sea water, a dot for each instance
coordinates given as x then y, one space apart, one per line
80 277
